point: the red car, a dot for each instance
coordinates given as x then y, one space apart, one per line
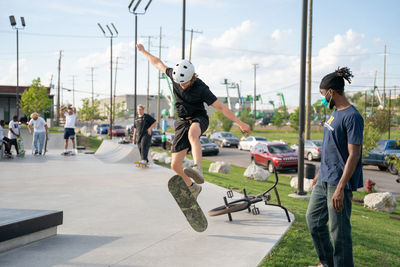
272 155
117 130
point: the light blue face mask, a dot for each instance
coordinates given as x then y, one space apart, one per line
325 102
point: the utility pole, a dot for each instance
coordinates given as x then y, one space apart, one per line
148 71
92 85
373 94
183 28
255 92
390 105
191 41
384 78
73 90
58 89
159 82
227 93
115 86
309 53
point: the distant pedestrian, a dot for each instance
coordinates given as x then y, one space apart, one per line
340 174
14 131
142 132
69 128
41 131
4 140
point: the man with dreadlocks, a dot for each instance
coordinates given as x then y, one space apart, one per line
339 175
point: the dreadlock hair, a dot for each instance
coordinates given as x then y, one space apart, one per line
335 80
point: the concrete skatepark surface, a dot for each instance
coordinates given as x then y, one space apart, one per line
120 215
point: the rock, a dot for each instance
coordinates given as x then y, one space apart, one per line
220 167
384 202
168 160
256 173
307 184
187 163
160 157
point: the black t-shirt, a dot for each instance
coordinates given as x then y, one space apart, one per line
190 102
142 124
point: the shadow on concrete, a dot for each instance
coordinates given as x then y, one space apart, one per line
62 248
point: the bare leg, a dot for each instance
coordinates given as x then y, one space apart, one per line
194 134
66 144
176 165
73 143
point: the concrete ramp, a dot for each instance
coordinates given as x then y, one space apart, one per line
112 152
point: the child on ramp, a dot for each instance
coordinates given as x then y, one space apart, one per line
190 94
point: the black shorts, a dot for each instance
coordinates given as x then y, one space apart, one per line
69 133
13 142
6 139
181 139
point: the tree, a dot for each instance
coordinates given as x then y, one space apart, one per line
294 119
89 111
371 136
119 111
35 99
226 123
245 117
381 120
281 116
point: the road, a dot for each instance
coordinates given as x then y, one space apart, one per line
385 182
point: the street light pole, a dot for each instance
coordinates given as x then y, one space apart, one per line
136 14
300 190
14 26
112 35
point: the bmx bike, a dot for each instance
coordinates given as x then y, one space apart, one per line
248 202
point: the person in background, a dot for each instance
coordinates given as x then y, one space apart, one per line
5 140
40 131
14 131
142 131
69 128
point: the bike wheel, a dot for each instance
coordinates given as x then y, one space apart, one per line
232 208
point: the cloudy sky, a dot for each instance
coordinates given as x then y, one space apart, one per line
235 35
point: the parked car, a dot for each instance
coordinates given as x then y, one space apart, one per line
224 139
156 138
170 139
312 149
274 154
117 130
208 147
249 142
103 128
377 155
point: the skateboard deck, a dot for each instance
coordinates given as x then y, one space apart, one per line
141 165
20 143
187 203
68 153
45 146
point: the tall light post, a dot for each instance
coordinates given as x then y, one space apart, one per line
134 12
112 35
14 26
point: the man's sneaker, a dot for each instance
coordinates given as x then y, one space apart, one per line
195 189
36 152
144 162
195 172
73 152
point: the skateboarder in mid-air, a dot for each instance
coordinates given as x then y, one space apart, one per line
190 94
142 131
69 128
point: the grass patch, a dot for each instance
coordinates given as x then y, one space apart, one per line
375 235
91 143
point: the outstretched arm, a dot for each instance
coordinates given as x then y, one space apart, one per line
155 61
229 114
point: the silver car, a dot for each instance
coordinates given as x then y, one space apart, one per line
312 149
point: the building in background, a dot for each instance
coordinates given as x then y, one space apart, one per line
8 103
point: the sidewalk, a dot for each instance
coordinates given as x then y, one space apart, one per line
119 215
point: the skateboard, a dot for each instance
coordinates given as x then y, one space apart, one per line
68 153
45 145
20 143
188 204
141 165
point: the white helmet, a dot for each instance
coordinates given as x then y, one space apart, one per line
183 71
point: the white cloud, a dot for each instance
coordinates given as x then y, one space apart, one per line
279 34
9 76
206 3
78 10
